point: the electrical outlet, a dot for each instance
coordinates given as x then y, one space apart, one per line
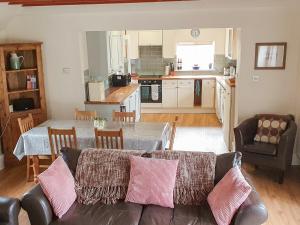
255 78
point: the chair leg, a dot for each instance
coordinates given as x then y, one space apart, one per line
281 177
28 168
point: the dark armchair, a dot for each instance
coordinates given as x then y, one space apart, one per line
9 211
276 156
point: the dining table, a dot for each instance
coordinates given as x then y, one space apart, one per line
149 136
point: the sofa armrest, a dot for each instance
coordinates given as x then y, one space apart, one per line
37 206
245 132
252 211
9 211
286 144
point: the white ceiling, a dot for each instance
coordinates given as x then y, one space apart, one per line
8 12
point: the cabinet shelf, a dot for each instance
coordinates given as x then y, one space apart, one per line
22 91
21 70
21 113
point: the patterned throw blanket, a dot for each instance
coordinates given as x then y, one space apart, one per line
103 175
195 175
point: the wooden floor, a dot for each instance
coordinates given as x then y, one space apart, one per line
282 201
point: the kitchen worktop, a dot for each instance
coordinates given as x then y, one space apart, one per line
221 78
116 95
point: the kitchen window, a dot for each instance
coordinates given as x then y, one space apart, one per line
195 56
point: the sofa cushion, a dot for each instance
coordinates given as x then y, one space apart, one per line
120 213
103 175
261 148
270 128
195 175
181 214
58 185
148 185
228 195
71 156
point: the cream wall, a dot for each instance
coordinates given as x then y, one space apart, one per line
206 35
276 91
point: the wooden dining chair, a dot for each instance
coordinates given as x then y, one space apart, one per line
85 115
173 133
107 139
25 125
61 138
124 116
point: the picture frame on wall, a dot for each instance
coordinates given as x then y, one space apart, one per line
270 56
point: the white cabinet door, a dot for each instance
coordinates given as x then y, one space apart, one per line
169 97
169 93
226 118
218 100
138 104
208 93
185 93
169 44
133 45
116 52
150 37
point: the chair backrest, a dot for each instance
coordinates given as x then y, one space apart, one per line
85 115
60 138
107 139
173 132
26 124
124 116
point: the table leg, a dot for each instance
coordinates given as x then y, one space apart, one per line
36 167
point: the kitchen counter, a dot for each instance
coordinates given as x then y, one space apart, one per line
223 79
177 77
116 95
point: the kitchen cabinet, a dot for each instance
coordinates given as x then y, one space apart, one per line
218 100
231 44
132 44
185 94
131 103
226 117
116 51
169 93
169 44
178 94
150 37
208 93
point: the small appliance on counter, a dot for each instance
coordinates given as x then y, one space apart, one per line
120 80
96 91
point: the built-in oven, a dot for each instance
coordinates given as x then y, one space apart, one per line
151 91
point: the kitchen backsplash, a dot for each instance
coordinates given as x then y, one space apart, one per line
151 62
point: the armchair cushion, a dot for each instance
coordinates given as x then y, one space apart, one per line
261 148
270 128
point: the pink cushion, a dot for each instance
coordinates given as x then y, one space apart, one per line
57 183
228 195
152 181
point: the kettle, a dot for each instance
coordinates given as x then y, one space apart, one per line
15 61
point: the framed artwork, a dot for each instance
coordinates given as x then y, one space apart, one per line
270 56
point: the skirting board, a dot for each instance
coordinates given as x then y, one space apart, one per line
1 161
177 110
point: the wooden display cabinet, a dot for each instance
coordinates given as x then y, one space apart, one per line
13 86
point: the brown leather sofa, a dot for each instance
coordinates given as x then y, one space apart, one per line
9 211
252 212
277 157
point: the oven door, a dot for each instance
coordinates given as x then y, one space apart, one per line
146 94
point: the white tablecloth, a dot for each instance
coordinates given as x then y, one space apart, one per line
137 136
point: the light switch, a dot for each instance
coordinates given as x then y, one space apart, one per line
67 70
255 78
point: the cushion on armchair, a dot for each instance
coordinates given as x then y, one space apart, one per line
270 128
